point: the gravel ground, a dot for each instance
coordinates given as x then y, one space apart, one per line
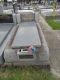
58 33
53 42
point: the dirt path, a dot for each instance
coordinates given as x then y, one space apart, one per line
53 41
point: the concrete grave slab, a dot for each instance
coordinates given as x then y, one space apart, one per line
26 35
4 30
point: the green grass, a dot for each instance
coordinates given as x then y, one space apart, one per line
28 73
54 24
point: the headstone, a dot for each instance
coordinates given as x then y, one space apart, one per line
1 9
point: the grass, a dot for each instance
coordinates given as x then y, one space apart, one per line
28 73
54 24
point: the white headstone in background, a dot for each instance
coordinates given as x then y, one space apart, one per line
18 18
14 18
1 8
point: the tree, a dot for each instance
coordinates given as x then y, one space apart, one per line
54 7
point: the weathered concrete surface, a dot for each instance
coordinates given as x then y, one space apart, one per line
53 41
25 15
26 35
42 58
5 29
3 46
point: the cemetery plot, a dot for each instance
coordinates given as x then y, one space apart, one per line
4 30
